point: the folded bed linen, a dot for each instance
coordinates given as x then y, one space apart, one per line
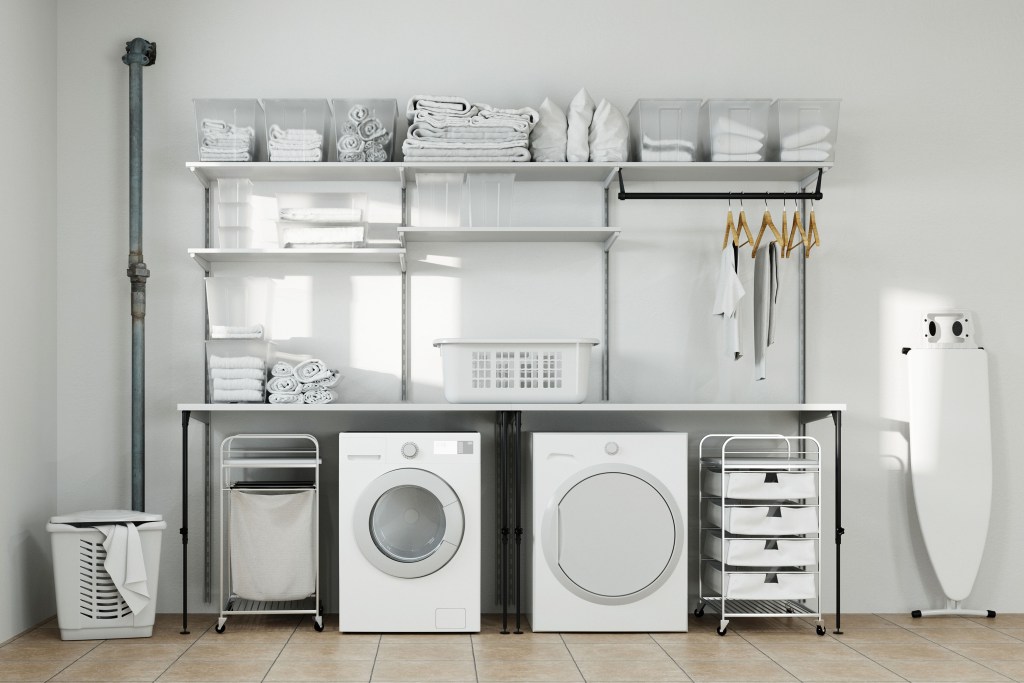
285 399
422 130
442 104
236 373
236 362
223 383
466 155
237 396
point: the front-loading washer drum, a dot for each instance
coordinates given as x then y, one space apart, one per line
408 523
612 534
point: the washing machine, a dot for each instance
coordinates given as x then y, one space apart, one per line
608 532
409 532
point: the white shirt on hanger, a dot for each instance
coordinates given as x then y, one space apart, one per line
727 301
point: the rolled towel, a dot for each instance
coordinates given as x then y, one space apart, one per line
237 396
318 396
236 331
236 373
221 383
285 399
311 370
283 385
735 144
282 369
807 136
329 381
235 362
443 104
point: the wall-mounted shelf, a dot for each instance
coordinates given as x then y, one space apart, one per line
203 257
419 234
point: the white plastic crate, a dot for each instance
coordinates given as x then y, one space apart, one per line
515 370
89 606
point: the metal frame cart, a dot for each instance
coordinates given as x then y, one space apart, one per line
760 527
245 460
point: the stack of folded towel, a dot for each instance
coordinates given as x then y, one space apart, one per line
225 142
735 141
809 144
236 331
308 382
295 144
453 129
364 137
237 379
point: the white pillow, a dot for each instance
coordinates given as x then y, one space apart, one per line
548 138
609 134
580 116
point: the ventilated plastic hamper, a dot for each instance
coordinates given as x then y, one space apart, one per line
88 605
515 370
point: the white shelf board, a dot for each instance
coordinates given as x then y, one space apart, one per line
253 463
491 234
204 257
524 407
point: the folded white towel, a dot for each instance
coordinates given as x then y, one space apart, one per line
247 383
235 362
531 115
437 103
126 564
211 154
725 126
284 399
293 235
237 396
736 157
666 144
295 155
483 156
548 138
803 155
467 144
319 395
322 215
282 369
728 143
236 373
424 131
311 370
608 138
236 331
807 136
820 146
283 385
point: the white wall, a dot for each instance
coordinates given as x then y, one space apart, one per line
28 70
926 155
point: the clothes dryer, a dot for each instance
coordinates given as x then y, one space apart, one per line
409 532
608 532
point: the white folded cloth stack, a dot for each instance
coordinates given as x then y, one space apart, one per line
223 141
363 137
443 128
295 144
732 140
236 331
808 144
237 379
308 382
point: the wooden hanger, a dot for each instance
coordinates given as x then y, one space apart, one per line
741 224
766 222
730 230
784 242
812 232
797 226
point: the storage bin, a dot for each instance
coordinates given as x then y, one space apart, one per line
297 130
760 485
272 544
321 220
764 520
490 199
226 129
239 307
804 130
759 585
760 552
439 200
365 128
237 370
234 213
664 130
89 605
735 130
519 370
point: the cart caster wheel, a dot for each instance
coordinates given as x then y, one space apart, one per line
220 628
318 624
699 612
819 629
916 614
722 631
991 614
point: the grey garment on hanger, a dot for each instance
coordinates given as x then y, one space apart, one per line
766 293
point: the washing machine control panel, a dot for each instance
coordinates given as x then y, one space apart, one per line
410 449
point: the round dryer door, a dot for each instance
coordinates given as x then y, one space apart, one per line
612 536
409 523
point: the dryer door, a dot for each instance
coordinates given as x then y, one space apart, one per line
612 535
408 523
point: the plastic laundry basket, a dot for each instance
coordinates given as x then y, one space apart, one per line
89 606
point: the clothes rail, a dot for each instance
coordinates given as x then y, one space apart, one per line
815 195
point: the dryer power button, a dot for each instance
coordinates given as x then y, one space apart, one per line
410 449
611 448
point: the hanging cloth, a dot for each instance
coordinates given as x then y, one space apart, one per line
727 301
766 291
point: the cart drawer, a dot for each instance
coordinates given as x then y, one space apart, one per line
761 552
762 520
759 585
761 485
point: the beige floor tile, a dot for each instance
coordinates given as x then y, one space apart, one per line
649 651
853 621
196 622
863 670
879 635
760 671
426 670
946 636
223 649
1008 620
169 637
960 672
811 652
1012 631
31 669
126 649
500 670
688 638
982 652
522 650
64 650
590 638
919 651
730 649
232 635
769 624
320 670
905 620
104 670
1012 669
426 651
263 622
424 638
510 639
337 650
780 637
303 635
620 670
216 670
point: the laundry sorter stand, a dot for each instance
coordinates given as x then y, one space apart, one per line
760 527
265 565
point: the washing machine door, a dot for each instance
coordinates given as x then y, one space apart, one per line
409 523
612 534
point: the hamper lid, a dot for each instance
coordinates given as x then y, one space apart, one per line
106 517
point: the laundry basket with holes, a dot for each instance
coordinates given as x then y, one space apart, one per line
515 370
105 593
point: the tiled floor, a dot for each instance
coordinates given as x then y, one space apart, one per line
882 647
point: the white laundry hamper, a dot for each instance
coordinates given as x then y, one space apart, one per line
89 606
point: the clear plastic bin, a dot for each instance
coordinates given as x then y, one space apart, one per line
237 370
234 213
322 220
664 130
365 128
804 130
89 605
735 130
226 130
297 130
439 200
490 199
239 307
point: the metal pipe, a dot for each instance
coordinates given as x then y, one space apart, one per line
138 53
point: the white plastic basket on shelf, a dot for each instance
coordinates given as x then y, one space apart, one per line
515 370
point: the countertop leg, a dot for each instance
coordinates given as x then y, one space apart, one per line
517 454
185 416
837 418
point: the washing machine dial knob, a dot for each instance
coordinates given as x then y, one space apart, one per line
410 449
611 448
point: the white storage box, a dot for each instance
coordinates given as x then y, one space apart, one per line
490 199
759 585
515 370
227 129
297 130
237 370
365 128
761 485
736 130
89 605
664 130
761 552
439 200
239 307
803 130
776 520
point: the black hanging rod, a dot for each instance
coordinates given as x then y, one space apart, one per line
816 195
